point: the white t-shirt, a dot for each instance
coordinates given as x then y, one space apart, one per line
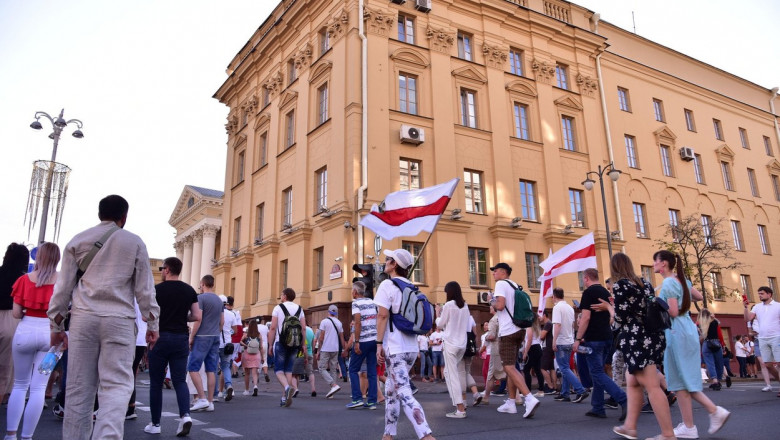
740 350
227 327
768 317
486 343
455 322
263 329
389 297
422 342
292 308
330 342
563 314
505 325
140 337
434 339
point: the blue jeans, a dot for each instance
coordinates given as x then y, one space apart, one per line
568 378
284 358
224 365
343 366
601 382
582 370
205 349
713 360
367 353
170 349
438 358
422 363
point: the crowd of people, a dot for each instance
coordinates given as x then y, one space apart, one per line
104 296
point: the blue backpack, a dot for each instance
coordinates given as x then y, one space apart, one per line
415 316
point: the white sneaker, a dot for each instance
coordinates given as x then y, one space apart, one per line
509 407
718 419
457 415
152 428
220 395
333 390
682 431
246 393
766 389
185 423
209 408
200 405
531 404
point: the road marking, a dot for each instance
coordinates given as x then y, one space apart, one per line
169 414
142 408
224 433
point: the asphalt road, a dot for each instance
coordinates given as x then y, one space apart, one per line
754 417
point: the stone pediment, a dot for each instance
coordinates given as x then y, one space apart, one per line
568 101
522 87
191 198
262 119
724 153
664 135
287 98
410 57
470 73
773 166
322 68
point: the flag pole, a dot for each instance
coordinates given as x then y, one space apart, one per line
422 249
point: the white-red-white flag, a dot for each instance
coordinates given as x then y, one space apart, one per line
408 213
574 257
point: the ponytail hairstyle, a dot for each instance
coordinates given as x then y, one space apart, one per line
674 261
46 263
705 318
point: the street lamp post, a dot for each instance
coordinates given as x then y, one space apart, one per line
57 125
614 175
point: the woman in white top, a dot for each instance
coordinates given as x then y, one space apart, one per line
454 320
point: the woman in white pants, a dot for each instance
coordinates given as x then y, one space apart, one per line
31 294
454 320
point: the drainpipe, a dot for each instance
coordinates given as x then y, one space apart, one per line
608 136
774 115
364 128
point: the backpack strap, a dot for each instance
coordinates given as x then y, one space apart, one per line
94 250
337 333
514 287
284 310
401 286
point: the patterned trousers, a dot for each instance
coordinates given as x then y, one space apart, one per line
398 393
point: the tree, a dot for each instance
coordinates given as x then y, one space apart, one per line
706 250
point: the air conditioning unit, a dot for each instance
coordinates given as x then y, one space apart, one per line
412 135
686 153
422 5
398 2
484 297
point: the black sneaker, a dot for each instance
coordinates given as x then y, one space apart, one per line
58 411
561 398
580 397
728 381
611 403
549 391
647 408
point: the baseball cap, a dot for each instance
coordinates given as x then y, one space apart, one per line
504 266
401 256
223 298
333 310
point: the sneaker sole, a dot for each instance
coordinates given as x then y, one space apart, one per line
332 392
288 397
725 419
185 430
229 395
533 411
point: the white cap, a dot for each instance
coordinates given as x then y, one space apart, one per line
402 257
223 298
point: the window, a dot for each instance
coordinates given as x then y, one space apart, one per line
516 61
768 146
776 186
521 121
689 122
259 219
406 28
698 171
262 149
464 46
410 174
567 127
322 104
633 162
418 274
533 270
233 287
292 72
716 125
255 286
561 76
640 220
472 182
753 182
658 109
289 121
321 190
240 159
725 168
283 274
623 101
407 93
743 138
287 208
468 108
244 118
647 273
772 281
576 208
674 223
324 41
528 200
319 270
763 238
236 234
266 97
478 269
747 286
706 227
717 286
666 161
581 280
736 232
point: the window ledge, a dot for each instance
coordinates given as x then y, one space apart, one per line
325 122
287 149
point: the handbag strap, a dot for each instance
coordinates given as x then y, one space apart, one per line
95 248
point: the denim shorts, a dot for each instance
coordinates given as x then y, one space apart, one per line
284 358
205 349
437 358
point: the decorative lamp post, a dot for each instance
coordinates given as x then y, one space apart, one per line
58 124
613 174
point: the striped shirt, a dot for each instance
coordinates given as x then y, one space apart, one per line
367 310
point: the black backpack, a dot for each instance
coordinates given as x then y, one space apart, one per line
471 344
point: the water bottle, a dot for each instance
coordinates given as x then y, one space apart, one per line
584 350
50 360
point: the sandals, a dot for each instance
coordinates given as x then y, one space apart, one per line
630 434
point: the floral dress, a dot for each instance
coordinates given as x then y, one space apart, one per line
639 346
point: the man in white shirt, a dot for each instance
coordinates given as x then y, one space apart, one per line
398 350
510 337
284 356
229 327
437 355
331 342
422 344
263 329
767 313
364 348
562 342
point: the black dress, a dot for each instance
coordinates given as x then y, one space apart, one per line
640 347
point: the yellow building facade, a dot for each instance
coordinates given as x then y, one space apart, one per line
334 104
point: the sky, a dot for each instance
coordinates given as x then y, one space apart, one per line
141 75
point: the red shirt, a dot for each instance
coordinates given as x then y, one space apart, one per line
29 296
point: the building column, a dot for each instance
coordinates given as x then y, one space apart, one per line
186 260
197 251
179 247
207 252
